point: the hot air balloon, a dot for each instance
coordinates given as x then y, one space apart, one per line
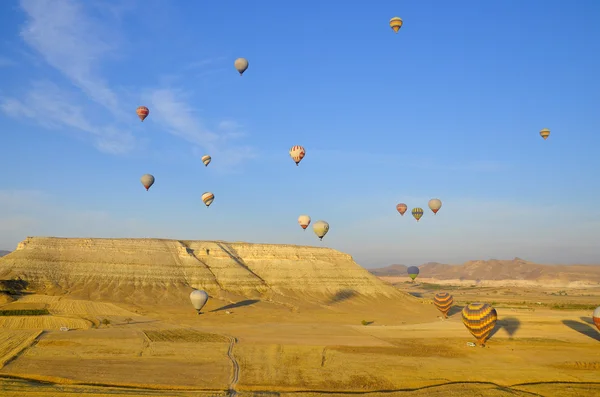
596 317
206 160
401 208
413 272
297 153
417 213
241 64
142 112
147 180
435 205
480 320
198 299
545 133
396 23
304 221
443 301
321 228
208 198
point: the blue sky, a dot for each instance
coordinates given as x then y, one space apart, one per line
450 107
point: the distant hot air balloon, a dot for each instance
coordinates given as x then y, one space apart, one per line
443 301
545 133
435 205
206 160
413 272
596 317
321 228
199 299
480 320
142 112
208 198
241 64
396 23
304 221
297 153
147 180
401 208
417 213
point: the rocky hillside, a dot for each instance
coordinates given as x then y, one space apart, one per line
152 270
495 270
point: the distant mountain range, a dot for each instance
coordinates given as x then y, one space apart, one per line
3 252
515 269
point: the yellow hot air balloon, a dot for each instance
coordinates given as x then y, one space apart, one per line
206 160
417 213
443 301
208 198
480 320
321 228
435 205
304 221
396 23
545 133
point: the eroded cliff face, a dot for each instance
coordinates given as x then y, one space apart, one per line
155 269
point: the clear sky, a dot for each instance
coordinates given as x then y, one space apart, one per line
450 107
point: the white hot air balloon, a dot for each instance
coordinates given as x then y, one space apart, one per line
304 221
321 228
147 180
241 64
435 205
199 299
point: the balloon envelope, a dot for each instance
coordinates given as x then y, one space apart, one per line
545 133
435 205
199 299
142 112
241 64
401 208
304 221
443 301
147 180
396 24
417 213
413 271
321 228
596 317
206 160
480 320
208 198
297 153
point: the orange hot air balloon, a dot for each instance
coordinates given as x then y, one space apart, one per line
142 112
401 208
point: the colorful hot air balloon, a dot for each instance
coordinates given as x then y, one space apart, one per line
297 153
596 317
208 198
545 133
413 272
206 160
199 299
443 301
241 64
142 112
321 228
417 213
401 208
396 23
480 320
147 180
304 221
435 205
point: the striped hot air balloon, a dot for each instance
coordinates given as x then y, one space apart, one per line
480 320
208 198
297 153
396 23
417 213
142 112
443 301
545 133
206 160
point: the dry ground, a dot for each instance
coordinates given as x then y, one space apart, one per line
544 345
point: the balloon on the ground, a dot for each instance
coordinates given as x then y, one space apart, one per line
443 301
417 213
142 112
206 160
545 133
413 272
304 221
480 320
208 198
401 208
321 228
396 23
199 299
147 180
596 317
297 153
241 64
435 205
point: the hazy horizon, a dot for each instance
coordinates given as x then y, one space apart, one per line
450 108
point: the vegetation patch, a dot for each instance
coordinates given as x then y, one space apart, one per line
572 306
183 335
25 312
